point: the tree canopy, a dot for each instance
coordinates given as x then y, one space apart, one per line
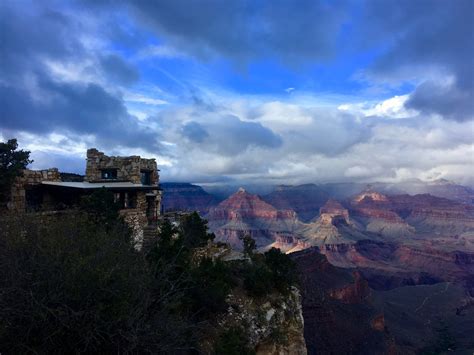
12 162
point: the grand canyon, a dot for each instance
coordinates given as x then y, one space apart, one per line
397 260
237 177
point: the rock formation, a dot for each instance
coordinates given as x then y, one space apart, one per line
338 310
305 200
333 226
186 197
247 214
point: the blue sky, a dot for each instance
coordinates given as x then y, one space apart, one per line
244 91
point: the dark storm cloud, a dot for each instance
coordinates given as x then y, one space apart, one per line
119 71
246 30
194 132
424 36
28 33
84 109
228 135
33 100
417 37
448 101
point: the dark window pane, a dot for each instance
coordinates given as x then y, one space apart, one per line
109 174
146 178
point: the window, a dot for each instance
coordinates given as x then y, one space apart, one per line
109 174
145 177
126 200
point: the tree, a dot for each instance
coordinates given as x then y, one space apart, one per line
101 207
195 231
249 246
283 269
12 162
73 285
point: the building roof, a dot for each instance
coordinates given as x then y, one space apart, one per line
120 185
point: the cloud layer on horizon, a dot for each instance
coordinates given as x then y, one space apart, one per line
178 81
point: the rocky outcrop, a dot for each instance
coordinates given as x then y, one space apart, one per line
275 324
405 215
332 213
247 214
186 197
338 311
388 265
333 226
354 293
439 188
305 200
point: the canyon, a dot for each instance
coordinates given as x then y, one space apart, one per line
373 260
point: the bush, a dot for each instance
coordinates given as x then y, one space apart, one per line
12 162
194 231
77 284
212 283
283 270
271 271
101 207
73 285
258 280
233 341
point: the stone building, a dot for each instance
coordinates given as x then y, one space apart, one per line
133 180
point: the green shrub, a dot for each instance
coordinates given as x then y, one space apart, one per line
212 282
233 341
283 269
194 231
271 271
258 280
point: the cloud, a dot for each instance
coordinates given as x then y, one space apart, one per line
151 78
39 95
425 41
194 132
228 135
245 30
118 70
445 99
392 108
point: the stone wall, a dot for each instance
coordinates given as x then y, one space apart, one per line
128 168
137 220
28 179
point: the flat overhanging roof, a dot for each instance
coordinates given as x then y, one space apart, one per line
98 185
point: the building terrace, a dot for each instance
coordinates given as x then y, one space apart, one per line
133 180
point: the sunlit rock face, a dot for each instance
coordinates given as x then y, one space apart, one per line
332 226
247 214
405 215
333 213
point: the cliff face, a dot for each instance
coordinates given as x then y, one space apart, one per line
337 309
333 226
305 200
404 215
246 214
275 323
186 197
388 265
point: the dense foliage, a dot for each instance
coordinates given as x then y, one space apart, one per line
12 162
272 271
74 283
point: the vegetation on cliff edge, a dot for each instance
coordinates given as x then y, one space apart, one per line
75 283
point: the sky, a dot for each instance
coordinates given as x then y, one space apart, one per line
274 92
